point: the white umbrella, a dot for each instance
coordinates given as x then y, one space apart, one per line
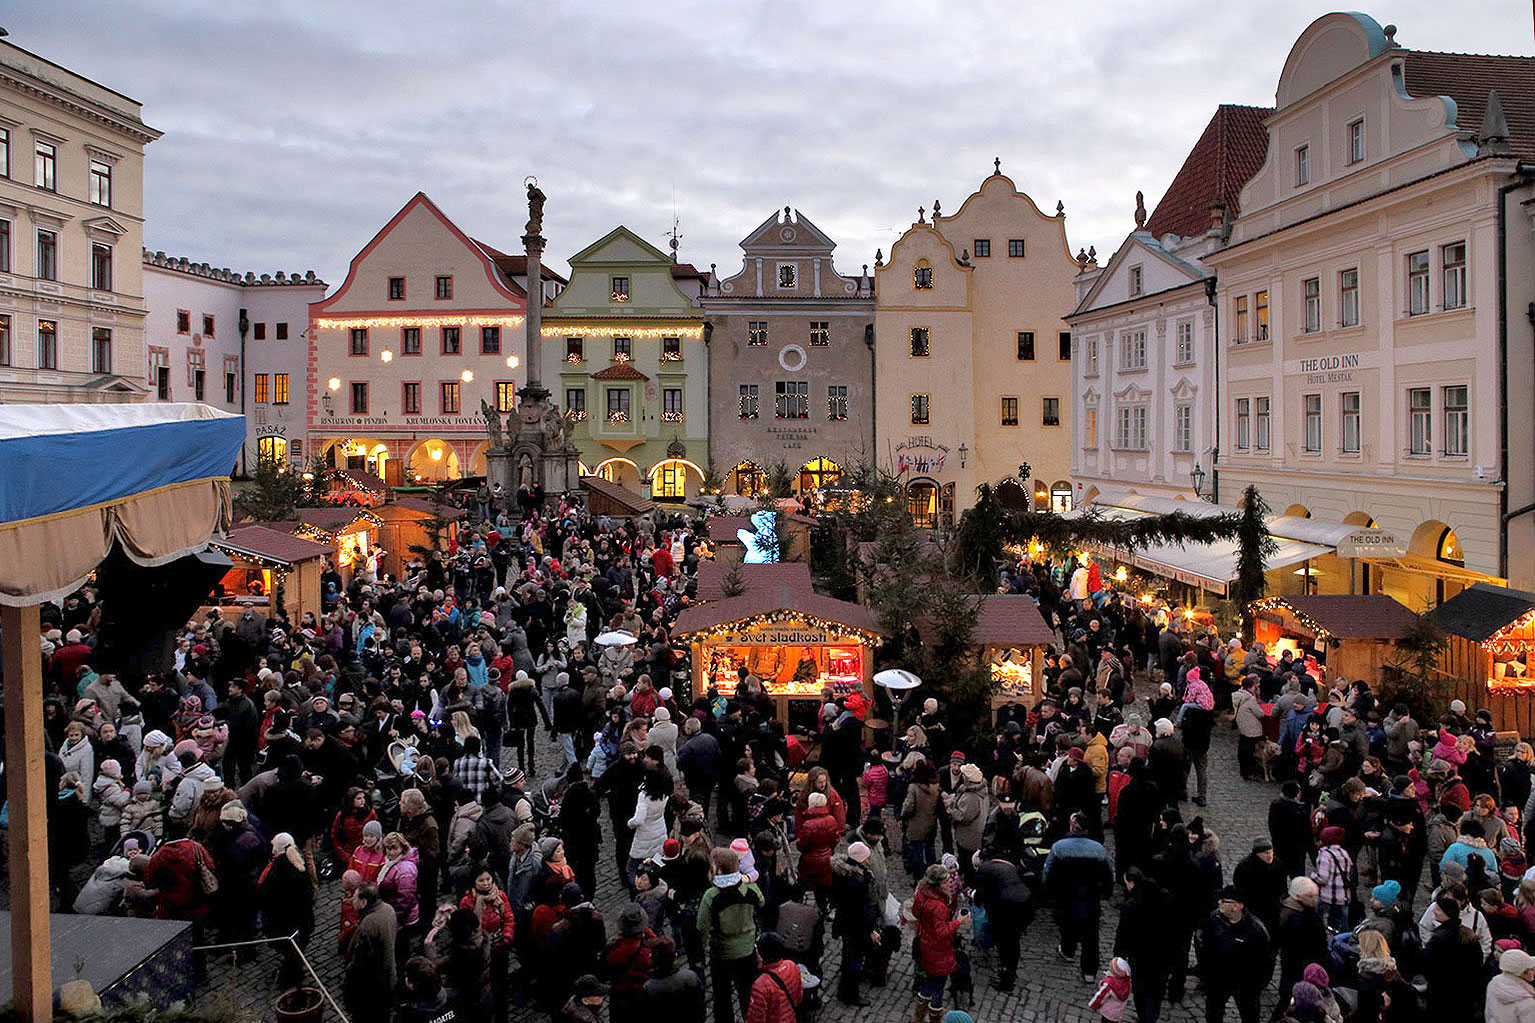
897 680
618 637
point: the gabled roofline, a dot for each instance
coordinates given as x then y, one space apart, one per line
1133 239
420 199
619 231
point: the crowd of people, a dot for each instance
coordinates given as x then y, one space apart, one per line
437 762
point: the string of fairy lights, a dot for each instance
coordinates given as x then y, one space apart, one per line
620 330
837 632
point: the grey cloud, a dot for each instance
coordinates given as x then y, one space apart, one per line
295 129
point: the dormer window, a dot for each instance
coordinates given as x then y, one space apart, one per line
788 275
922 276
1356 141
1136 281
1303 166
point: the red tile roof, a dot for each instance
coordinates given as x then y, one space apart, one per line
687 271
1229 152
619 371
272 545
1356 616
1467 77
517 266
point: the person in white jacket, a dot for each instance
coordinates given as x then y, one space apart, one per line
663 733
189 787
78 754
1510 996
1470 917
649 820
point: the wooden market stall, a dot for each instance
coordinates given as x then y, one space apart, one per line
1010 638
614 500
796 641
1353 635
356 487
61 517
352 533
1489 656
403 525
272 571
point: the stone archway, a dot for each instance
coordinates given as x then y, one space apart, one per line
435 460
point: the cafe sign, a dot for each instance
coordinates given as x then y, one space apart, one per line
782 635
1371 543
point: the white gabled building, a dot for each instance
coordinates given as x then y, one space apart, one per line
1145 330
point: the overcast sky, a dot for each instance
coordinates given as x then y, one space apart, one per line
295 129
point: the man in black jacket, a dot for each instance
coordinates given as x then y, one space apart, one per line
1233 958
1290 829
1262 877
1009 903
1301 936
1142 940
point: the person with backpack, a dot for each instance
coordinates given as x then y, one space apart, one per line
858 918
776 992
728 916
628 961
1009 903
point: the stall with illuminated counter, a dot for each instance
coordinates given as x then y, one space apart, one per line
271 571
1489 655
1354 636
798 642
351 532
1010 637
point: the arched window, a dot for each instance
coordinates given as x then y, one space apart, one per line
747 478
922 275
272 449
1449 550
818 473
946 506
922 503
1060 496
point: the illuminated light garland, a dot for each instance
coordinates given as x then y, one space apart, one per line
838 632
1498 638
575 358
671 356
1305 620
618 296
386 322
618 330
621 357
577 415
671 417
618 417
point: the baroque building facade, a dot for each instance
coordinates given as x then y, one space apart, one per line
234 341
791 361
71 232
426 327
624 356
973 355
1373 298
1145 360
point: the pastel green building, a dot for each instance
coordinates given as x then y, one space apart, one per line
624 353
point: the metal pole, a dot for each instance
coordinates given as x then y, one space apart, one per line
31 949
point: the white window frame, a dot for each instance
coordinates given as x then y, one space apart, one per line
1130 427
1137 281
1311 423
1183 343
1452 258
1356 141
1262 423
1302 165
1244 424
1311 305
1349 419
1092 357
750 406
1419 294
1420 422
1132 349
1348 297
1457 421
1183 427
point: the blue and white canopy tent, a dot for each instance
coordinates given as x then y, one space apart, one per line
77 482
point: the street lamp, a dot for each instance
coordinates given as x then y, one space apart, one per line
1197 477
329 403
964 455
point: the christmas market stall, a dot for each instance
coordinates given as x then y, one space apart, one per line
271 571
87 487
1354 636
353 533
796 641
407 523
1010 638
1489 655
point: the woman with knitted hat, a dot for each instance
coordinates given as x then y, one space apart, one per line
1510 995
1334 878
936 930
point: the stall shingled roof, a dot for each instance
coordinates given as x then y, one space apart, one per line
1354 615
635 503
271 545
768 599
722 528
711 578
1004 619
1482 610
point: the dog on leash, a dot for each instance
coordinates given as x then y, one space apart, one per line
1268 757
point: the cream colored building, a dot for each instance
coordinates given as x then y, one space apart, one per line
71 234
972 363
1373 303
427 325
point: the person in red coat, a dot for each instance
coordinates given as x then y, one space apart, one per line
777 992
818 780
936 927
174 876
817 837
346 829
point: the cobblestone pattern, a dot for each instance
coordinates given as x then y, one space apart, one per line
1048 987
